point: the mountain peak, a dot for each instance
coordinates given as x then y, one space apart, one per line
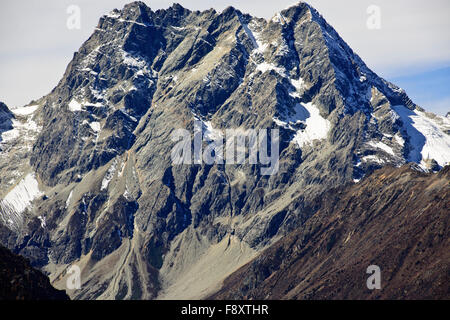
3 107
102 145
230 11
178 9
135 5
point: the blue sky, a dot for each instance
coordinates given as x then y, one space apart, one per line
428 89
412 48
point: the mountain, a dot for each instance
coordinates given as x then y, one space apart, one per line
6 117
89 178
397 219
19 281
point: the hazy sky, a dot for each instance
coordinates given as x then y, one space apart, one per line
412 48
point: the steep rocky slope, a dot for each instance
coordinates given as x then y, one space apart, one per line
90 180
19 281
397 219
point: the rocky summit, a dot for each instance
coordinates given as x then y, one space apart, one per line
87 177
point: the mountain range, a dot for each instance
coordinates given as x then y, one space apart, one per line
87 177
22 282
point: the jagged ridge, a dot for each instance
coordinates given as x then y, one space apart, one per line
102 158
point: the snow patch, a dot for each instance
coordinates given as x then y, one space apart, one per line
25 111
427 140
127 194
109 175
178 28
10 135
95 126
399 139
372 158
74 105
138 62
99 95
42 219
317 127
21 196
260 46
132 61
382 146
299 86
264 67
210 133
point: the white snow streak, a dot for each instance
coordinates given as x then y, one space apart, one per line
109 175
382 146
21 196
69 198
317 127
43 223
74 105
427 140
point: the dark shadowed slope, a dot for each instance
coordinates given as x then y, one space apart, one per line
19 281
397 219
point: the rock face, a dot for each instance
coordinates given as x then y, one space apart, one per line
396 219
19 281
105 194
6 117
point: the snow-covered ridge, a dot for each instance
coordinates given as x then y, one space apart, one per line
23 133
427 138
25 111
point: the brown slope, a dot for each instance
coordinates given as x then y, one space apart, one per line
19 281
396 218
